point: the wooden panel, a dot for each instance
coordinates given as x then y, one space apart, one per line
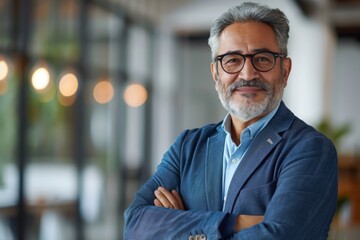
349 185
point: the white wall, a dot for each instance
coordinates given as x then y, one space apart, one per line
308 46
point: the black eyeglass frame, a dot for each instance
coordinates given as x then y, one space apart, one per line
245 56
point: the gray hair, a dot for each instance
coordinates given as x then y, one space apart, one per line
251 12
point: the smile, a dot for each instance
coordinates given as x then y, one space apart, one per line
248 89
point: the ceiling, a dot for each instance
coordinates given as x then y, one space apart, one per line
343 15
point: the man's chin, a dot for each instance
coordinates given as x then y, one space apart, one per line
248 110
247 101
247 97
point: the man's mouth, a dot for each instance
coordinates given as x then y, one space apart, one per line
248 89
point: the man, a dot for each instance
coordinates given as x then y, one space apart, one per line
262 173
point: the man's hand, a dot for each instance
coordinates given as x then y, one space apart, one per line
246 221
167 199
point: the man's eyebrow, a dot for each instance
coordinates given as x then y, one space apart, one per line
256 50
229 52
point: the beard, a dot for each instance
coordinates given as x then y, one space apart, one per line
246 108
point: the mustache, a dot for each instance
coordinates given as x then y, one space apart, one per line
252 83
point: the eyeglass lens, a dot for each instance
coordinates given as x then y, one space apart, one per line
233 63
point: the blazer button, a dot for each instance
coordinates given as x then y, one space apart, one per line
202 237
191 238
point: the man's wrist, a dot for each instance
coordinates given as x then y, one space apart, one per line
226 228
246 221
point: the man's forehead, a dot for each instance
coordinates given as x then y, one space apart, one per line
248 37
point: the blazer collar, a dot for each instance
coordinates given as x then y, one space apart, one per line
265 141
283 119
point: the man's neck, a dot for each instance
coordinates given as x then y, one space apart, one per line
238 126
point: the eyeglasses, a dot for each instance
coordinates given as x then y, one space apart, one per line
262 61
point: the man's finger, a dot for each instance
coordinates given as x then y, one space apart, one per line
157 203
162 199
171 201
178 199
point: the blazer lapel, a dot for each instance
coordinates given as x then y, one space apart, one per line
266 140
249 163
213 171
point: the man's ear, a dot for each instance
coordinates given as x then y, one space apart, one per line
287 70
213 71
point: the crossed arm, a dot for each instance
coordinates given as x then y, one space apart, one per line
301 207
167 199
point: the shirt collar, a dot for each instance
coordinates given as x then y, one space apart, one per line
254 128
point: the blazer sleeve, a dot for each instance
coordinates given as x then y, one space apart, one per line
305 198
143 220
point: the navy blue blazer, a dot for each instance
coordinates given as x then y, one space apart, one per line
289 175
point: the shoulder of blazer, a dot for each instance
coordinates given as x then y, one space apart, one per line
205 131
283 118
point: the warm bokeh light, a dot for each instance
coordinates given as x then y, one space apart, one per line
3 87
48 93
66 101
68 85
135 95
40 79
103 92
4 70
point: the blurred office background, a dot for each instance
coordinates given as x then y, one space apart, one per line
92 92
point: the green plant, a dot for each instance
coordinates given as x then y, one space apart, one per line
334 133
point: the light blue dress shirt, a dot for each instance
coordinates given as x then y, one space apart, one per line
233 154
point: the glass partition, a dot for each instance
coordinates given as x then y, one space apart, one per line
74 118
9 83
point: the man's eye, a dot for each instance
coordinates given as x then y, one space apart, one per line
262 59
232 60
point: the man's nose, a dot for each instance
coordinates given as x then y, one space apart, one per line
248 72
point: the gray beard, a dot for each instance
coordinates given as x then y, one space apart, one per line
247 109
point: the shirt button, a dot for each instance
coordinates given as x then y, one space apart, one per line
234 160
